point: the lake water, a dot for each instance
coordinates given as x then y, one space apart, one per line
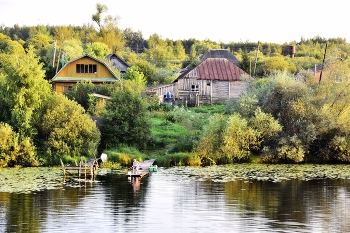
174 200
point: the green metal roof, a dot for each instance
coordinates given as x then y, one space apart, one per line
83 79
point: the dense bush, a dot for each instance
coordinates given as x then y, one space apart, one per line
14 151
67 130
314 118
126 119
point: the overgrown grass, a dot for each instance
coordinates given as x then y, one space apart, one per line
179 159
165 134
124 155
211 109
175 131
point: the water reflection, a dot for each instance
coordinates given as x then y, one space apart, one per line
135 181
177 203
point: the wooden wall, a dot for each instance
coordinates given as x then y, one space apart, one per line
70 69
209 91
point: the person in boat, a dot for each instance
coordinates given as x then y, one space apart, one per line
135 166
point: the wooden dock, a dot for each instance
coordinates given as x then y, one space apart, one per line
143 169
85 168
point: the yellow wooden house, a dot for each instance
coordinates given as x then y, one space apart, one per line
82 69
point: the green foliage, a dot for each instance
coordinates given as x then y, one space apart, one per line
9 46
273 64
313 118
288 150
210 109
265 127
205 45
124 155
184 143
245 105
148 71
97 107
23 92
165 133
71 49
40 40
66 130
163 76
126 120
158 50
133 74
238 138
97 49
80 93
208 146
15 151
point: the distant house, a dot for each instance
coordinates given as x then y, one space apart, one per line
118 63
82 69
215 79
220 53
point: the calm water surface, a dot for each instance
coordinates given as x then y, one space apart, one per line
169 202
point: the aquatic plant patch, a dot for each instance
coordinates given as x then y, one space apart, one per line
261 172
34 179
24 180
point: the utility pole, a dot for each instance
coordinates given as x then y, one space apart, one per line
256 57
58 60
324 58
250 66
54 55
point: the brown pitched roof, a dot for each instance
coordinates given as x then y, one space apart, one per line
214 69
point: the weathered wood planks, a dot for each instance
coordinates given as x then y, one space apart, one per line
89 167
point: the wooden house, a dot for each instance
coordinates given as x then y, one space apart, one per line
82 69
118 63
214 80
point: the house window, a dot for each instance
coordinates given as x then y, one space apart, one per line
195 88
86 68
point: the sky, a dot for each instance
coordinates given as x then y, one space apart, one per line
271 21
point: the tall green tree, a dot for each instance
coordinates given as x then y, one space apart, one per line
71 49
97 49
134 40
40 39
109 33
126 119
158 50
23 91
9 46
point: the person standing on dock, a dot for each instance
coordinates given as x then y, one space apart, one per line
135 166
